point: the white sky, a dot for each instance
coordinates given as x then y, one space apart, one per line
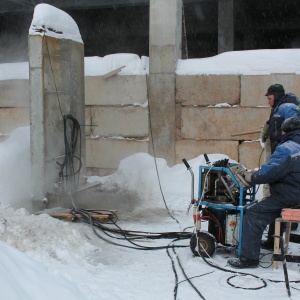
43 258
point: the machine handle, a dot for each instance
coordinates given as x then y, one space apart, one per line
206 158
192 183
186 163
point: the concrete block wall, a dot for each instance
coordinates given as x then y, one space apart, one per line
207 125
14 106
116 109
116 115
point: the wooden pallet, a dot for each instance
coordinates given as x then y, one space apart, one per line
99 215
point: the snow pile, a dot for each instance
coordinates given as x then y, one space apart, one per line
44 238
54 22
254 62
23 278
132 64
137 174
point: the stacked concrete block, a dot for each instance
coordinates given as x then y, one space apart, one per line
14 93
251 154
213 118
116 90
190 149
11 118
117 120
205 123
254 87
117 111
204 90
14 105
105 154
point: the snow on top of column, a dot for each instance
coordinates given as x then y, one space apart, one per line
54 22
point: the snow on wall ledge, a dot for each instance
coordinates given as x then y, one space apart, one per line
54 22
252 62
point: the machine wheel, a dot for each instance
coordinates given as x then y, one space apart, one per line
206 246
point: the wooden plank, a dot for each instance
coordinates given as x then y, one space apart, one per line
72 217
102 211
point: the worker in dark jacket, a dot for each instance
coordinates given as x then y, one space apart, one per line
283 176
283 106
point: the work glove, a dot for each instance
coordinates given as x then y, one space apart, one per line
247 175
264 133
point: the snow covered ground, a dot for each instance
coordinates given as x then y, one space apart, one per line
44 258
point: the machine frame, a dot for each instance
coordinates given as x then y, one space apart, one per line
246 194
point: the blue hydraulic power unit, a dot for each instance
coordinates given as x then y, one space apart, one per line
223 197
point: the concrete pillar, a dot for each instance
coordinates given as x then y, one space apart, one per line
56 89
164 51
225 26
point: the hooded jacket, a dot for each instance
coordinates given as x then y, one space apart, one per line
284 108
283 171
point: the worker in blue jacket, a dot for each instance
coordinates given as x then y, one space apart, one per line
283 106
283 175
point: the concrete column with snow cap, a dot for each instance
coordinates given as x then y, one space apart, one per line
56 68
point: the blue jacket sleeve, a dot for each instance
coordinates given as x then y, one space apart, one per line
276 169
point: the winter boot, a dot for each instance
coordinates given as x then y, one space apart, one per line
243 262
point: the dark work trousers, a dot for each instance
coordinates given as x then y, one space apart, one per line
256 219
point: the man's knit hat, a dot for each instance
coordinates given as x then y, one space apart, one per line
275 89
